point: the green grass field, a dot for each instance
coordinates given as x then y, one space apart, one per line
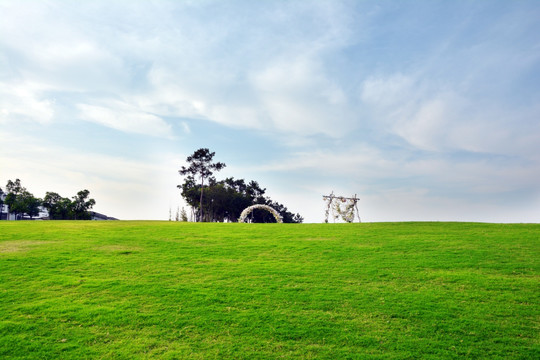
166 290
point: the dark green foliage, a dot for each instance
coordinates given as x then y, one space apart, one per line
20 200
226 199
1 200
27 204
10 200
61 208
13 189
171 290
201 165
81 204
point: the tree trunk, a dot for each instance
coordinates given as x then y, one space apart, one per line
200 201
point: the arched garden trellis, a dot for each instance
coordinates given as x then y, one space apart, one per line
249 209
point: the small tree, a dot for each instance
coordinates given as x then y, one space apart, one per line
200 165
183 215
14 190
82 205
20 201
28 204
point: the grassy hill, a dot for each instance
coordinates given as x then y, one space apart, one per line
166 290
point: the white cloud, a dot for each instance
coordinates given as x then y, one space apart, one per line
123 117
387 90
431 124
448 119
351 162
55 46
272 77
25 101
186 128
296 97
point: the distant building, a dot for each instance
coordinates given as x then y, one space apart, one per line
4 208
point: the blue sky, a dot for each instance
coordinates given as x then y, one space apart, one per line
428 110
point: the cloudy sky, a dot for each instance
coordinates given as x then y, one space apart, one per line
428 110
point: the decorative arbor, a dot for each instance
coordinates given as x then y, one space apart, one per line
249 209
341 206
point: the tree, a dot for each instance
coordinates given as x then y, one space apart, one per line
20 201
82 205
1 203
28 204
14 187
200 165
59 208
183 215
226 199
14 190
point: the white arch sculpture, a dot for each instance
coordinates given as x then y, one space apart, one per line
249 209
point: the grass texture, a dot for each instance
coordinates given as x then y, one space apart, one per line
168 290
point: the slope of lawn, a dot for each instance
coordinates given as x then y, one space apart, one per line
168 290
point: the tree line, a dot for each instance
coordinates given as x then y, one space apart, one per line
21 202
224 200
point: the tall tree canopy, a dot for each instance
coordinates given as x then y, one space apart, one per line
201 166
225 200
